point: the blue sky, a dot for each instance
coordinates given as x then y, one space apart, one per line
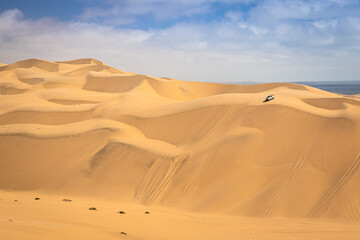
204 40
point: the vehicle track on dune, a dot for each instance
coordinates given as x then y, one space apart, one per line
175 164
220 126
290 178
321 205
152 186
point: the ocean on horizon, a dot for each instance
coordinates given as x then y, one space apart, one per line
342 87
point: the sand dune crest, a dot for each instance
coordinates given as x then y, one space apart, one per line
83 127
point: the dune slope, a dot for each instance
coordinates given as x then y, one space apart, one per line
84 128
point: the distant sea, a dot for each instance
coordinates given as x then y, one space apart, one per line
342 87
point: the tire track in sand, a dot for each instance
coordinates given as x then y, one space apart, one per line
290 178
146 197
325 199
154 184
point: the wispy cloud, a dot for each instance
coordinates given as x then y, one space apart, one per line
158 9
275 40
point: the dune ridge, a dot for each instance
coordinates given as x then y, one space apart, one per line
82 127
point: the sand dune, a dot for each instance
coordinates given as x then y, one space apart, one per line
191 150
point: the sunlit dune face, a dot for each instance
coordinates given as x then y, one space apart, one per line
93 151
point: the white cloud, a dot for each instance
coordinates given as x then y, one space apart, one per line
234 15
236 48
9 19
159 9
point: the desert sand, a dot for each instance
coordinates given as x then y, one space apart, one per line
206 160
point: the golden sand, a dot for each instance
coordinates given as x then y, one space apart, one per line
208 161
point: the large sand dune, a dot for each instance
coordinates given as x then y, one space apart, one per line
84 129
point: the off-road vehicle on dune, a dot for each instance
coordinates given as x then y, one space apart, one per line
269 98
